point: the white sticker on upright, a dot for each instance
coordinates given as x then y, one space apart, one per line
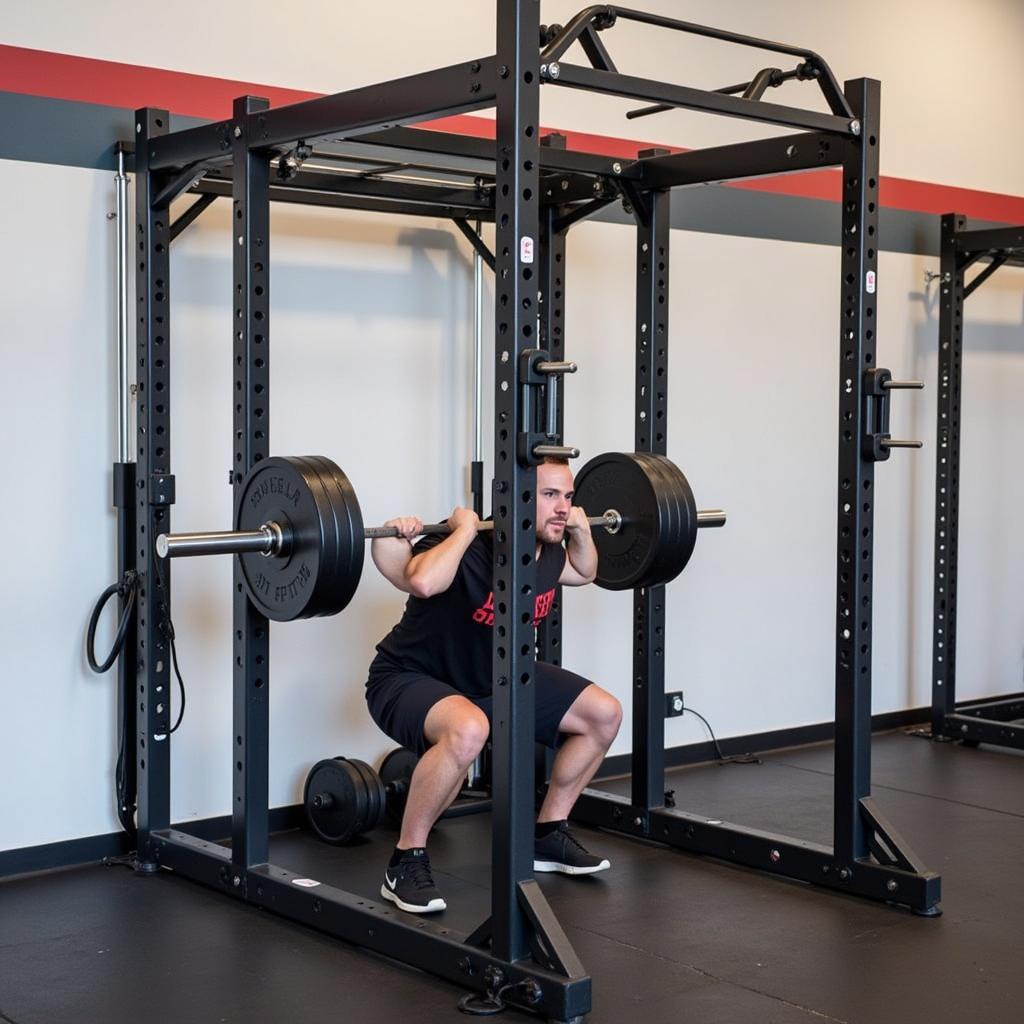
526 249
869 282
306 883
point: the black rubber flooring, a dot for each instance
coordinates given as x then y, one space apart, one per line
667 937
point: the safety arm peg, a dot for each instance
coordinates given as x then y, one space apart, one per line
878 384
556 451
893 443
556 367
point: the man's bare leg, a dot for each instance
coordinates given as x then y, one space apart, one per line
592 724
457 730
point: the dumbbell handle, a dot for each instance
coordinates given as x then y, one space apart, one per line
272 539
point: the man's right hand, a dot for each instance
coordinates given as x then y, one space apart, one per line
463 519
407 526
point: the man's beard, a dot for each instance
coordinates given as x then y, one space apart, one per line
553 532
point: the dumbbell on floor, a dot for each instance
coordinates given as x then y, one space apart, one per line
344 797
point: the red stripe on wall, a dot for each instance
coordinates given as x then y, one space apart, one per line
64 77
87 80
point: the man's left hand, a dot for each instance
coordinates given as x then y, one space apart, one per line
577 526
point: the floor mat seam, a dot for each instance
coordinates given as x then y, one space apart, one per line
910 792
714 977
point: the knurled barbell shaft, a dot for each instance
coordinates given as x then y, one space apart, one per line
271 539
611 520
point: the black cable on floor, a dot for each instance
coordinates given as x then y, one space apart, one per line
719 756
490 1003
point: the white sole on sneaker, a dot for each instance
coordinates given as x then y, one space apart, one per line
430 908
568 869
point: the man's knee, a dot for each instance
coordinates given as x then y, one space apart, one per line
605 714
465 733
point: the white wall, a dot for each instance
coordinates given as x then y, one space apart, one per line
370 366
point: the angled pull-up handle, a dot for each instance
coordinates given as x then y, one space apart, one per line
603 16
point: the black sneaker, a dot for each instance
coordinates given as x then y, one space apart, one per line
561 851
410 885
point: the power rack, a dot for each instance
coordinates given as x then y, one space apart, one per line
991 721
356 150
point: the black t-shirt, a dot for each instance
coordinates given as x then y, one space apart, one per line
449 636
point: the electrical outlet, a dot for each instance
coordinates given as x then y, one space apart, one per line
674 704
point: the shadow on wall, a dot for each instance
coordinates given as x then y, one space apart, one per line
349 289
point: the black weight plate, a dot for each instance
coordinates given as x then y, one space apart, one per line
682 537
352 543
337 822
398 766
686 538
333 587
279 490
320 602
617 480
354 765
363 796
664 486
380 795
375 790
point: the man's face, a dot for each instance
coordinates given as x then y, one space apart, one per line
554 499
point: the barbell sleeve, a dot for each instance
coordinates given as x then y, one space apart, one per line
710 518
267 540
271 539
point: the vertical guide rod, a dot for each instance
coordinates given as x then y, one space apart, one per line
478 349
476 467
124 491
124 444
480 771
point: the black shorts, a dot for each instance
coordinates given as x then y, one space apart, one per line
399 701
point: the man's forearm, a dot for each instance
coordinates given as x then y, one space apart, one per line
582 554
432 571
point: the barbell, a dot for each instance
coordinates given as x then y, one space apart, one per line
299 532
